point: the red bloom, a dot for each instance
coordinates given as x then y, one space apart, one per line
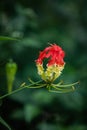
54 53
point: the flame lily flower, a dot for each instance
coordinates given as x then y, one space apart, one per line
55 56
52 69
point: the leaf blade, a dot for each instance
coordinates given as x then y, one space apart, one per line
2 121
5 38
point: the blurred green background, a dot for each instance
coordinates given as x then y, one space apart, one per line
37 23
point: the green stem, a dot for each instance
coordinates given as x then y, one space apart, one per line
17 90
64 90
67 85
58 90
31 81
39 86
8 94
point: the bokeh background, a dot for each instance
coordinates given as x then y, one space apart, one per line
37 23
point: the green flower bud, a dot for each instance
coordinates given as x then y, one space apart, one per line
11 69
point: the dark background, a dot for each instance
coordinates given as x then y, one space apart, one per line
37 23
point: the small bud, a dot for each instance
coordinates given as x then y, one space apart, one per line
11 69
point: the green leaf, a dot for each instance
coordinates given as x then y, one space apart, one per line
4 123
3 38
